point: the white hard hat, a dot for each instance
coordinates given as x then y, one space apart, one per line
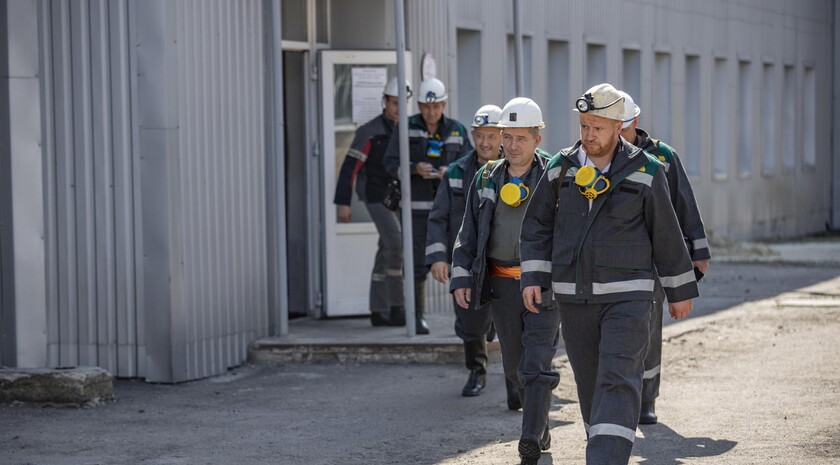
487 116
631 110
432 90
602 100
392 90
521 112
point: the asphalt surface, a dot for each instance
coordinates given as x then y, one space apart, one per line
751 377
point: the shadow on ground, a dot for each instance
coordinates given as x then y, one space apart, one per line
663 446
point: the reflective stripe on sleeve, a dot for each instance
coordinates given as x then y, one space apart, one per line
700 244
623 286
489 194
418 133
536 265
456 183
454 140
460 272
642 178
610 429
436 247
677 281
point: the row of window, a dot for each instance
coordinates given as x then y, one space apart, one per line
786 126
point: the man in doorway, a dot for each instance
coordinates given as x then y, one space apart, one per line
444 222
693 231
363 166
599 227
435 141
486 268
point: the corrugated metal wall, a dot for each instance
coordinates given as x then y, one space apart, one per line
155 150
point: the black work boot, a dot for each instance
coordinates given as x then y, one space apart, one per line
379 319
397 316
529 451
648 414
421 327
475 383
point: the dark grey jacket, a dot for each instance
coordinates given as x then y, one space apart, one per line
682 195
469 261
448 209
606 254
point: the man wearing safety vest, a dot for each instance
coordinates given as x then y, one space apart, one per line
693 231
486 268
599 227
434 141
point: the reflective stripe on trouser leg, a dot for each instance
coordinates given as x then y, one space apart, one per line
540 339
471 326
390 245
653 360
506 309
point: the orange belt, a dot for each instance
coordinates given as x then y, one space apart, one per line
505 271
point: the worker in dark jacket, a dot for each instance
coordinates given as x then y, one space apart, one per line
486 268
445 221
434 142
599 227
693 231
363 166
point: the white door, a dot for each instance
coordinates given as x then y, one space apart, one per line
351 91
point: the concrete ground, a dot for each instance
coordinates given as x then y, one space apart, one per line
750 378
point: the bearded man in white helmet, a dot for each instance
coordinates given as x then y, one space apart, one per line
599 227
486 268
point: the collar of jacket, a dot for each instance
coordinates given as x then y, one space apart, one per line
643 140
626 159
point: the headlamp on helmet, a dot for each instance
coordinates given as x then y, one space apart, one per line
586 103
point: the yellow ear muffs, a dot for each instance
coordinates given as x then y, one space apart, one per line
591 182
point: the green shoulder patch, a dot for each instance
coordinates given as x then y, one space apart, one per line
651 166
662 151
455 171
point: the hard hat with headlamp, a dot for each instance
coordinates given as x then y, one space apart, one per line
487 116
432 90
602 100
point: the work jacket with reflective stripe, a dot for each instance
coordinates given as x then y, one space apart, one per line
448 209
606 254
682 195
363 166
469 261
456 144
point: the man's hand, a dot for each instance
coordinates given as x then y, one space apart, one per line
679 310
344 214
701 265
463 295
425 169
532 296
440 271
442 171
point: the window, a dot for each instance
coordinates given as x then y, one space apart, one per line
631 75
662 97
809 118
511 68
469 68
596 65
293 14
789 146
691 151
769 133
559 99
720 120
745 124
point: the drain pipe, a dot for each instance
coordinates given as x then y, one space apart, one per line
282 310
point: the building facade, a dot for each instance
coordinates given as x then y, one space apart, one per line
167 167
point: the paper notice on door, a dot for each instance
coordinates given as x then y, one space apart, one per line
367 93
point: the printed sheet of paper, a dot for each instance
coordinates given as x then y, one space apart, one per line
367 93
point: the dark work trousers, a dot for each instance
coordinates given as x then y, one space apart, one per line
419 223
386 283
653 360
606 345
472 326
529 342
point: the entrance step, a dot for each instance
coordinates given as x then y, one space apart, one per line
74 386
